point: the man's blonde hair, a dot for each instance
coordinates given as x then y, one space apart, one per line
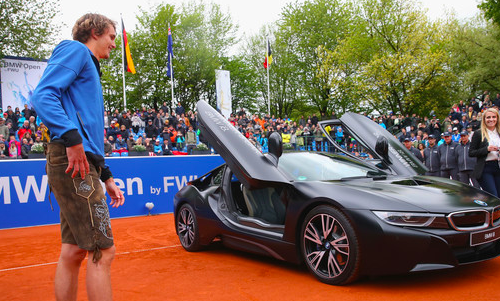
84 25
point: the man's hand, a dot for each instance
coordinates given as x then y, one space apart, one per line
77 161
117 198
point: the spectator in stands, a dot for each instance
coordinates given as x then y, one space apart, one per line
403 135
107 121
113 131
190 139
307 138
108 148
475 105
448 156
112 141
124 120
470 113
136 123
179 109
14 147
180 141
455 136
475 123
166 147
120 145
285 136
25 148
124 132
318 138
293 138
130 142
414 151
139 141
25 128
421 149
164 107
173 135
151 130
158 121
4 147
28 138
4 130
149 146
43 132
12 117
193 120
27 112
33 126
157 148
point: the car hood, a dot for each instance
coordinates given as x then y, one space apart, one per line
364 130
420 193
249 165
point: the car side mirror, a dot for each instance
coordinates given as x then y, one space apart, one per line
382 148
275 147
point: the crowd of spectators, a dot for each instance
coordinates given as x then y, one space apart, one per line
167 132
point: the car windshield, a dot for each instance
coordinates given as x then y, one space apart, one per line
322 167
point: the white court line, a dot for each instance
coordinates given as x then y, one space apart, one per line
55 262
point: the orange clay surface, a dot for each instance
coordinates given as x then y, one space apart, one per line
151 265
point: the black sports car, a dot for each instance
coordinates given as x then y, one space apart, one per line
341 215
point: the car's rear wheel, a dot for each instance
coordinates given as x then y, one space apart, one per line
187 228
330 246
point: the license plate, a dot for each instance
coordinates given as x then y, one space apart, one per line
485 236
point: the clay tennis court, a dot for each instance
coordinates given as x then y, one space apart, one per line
151 265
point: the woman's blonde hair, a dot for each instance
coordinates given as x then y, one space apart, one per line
484 133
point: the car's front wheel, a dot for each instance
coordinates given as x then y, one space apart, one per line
330 246
187 228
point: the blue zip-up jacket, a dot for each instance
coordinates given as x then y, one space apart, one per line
69 98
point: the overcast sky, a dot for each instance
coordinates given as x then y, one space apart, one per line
249 15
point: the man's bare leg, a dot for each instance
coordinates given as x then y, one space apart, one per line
68 267
99 276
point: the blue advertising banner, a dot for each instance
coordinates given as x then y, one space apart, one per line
24 190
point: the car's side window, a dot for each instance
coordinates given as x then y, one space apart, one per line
217 178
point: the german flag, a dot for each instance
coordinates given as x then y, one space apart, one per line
128 64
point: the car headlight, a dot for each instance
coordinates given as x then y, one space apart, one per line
413 219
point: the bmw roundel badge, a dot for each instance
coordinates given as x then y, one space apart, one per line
481 203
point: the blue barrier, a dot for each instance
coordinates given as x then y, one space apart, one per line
24 192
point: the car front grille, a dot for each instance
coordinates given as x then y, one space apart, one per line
471 220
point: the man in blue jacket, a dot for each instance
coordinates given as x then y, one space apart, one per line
69 101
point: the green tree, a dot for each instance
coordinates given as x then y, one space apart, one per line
302 28
475 49
398 62
491 9
27 27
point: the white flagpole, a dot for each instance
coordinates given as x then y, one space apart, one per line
123 68
268 90
171 71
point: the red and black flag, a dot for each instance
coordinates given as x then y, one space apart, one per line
128 64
